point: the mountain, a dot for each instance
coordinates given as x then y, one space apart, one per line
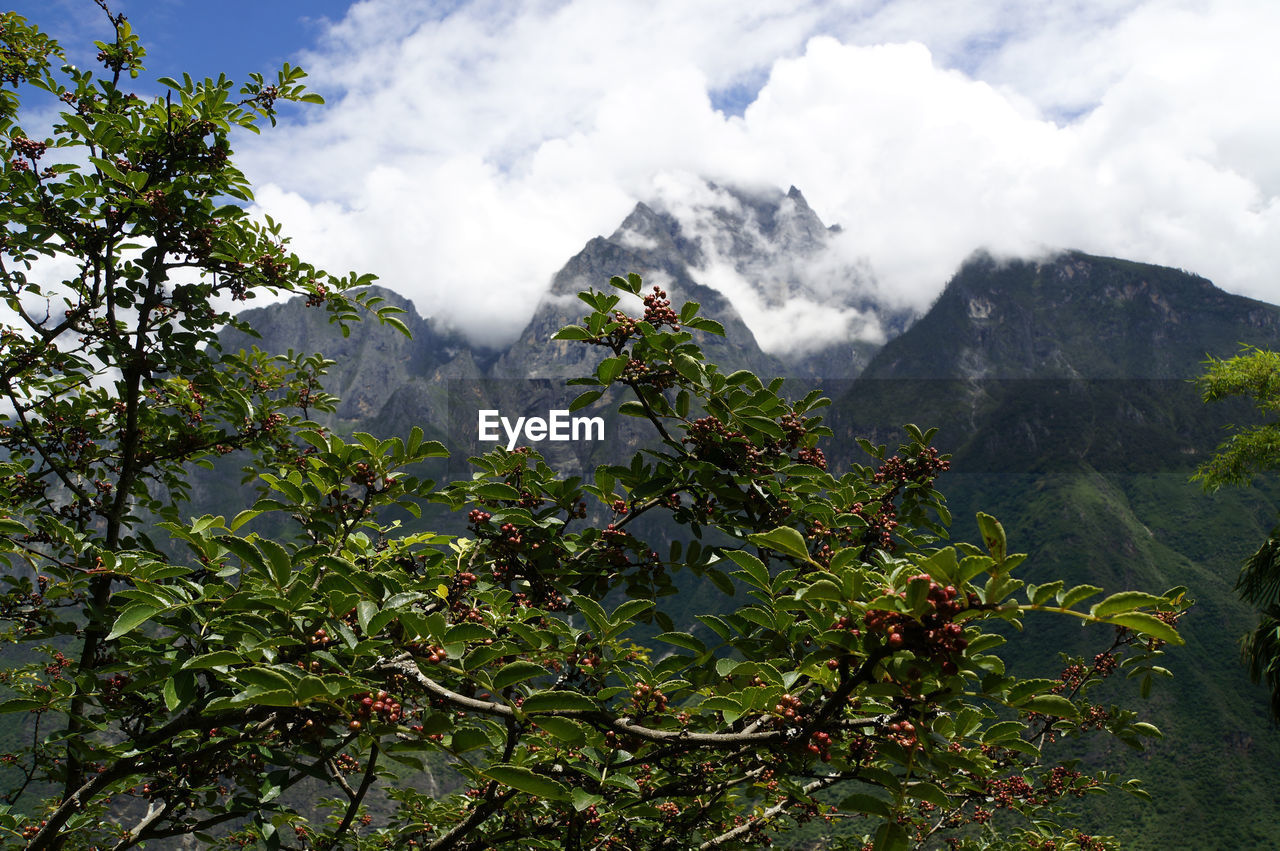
768 248
1061 386
1073 316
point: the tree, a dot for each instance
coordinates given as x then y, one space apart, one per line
183 677
1249 452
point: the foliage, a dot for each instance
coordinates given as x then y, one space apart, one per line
1250 451
191 694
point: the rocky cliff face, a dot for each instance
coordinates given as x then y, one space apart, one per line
1074 316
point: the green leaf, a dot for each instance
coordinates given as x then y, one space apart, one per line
784 539
610 368
562 728
593 612
572 332
463 632
468 739
131 618
583 799
861 803
516 672
683 639
1148 625
1050 704
558 701
823 589
992 536
278 560
365 611
1002 731
628 611
584 400
1125 601
275 697
757 573
19 704
689 368
496 490
924 791
765 426
1078 594
891 837
216 659
242 518
526 781
1043 593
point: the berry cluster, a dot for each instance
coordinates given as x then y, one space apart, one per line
820 746
936 636
647 699
923 467
28 147
378 707
658 312
722 446
435 654
789 707
813 456
638 372
904 733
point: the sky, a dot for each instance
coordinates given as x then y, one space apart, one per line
468 148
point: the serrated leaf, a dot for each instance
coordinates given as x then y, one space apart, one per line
275 697
584 400
823 589
756 572
1078 594
242 518
891 837
525 780
593 612
1124 601
1050 704
869 804
683 639
562 728
170 690
628 611
784 539
516 672
583 799
216 659
572 332
468 739
992 536
1001 731
1043 593
558 701
924 791
1148 625
131 618
496 490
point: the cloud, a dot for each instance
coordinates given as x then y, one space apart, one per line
469 150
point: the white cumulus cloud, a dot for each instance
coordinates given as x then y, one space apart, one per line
469 149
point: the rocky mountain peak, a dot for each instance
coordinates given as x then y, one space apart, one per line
1073 315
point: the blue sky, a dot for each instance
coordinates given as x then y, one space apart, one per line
200 37
467 149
